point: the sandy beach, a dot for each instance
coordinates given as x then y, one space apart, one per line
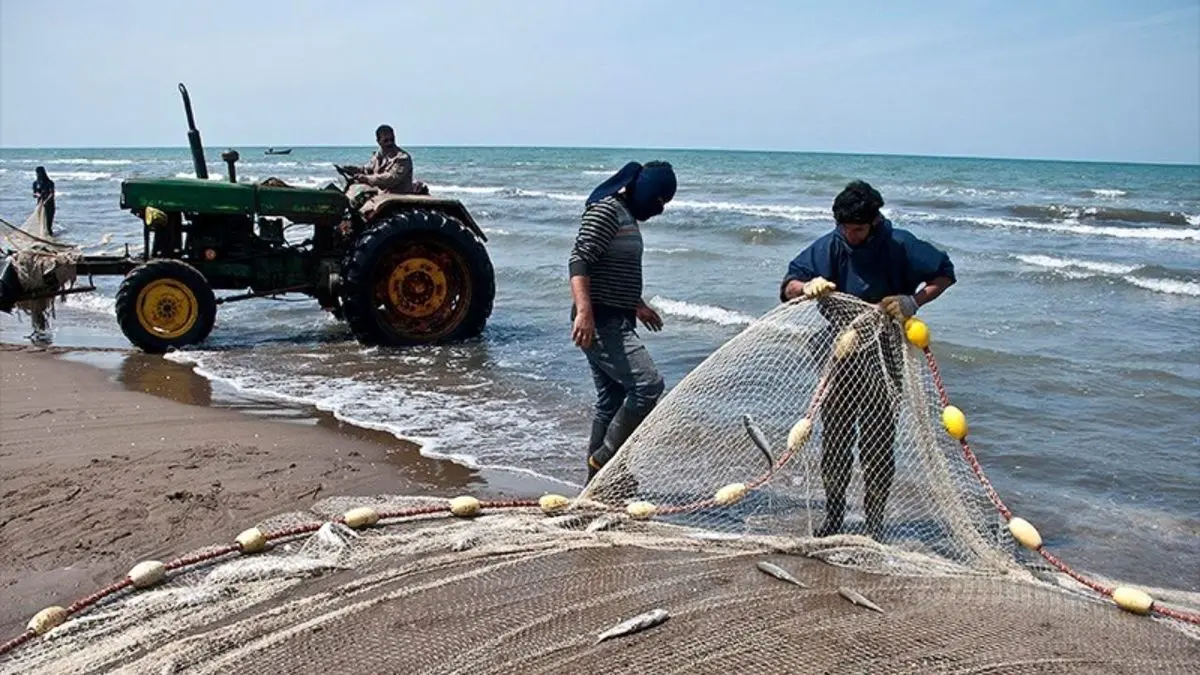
104 468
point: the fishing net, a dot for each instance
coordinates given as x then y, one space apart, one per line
41 263
925 577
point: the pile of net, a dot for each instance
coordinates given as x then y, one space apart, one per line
40 264
802 502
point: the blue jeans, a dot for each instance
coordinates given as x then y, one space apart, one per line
628 385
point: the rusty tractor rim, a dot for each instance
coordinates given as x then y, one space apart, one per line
423 289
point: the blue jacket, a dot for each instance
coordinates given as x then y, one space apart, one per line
890 262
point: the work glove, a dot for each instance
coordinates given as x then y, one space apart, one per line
902 307
818 288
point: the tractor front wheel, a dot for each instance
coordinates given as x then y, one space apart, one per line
418 277
164 304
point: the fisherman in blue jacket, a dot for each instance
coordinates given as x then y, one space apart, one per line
866 257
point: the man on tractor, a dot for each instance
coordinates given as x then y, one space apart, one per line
390 170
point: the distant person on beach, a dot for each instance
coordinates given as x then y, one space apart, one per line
866 257
43 192
605 270
390 169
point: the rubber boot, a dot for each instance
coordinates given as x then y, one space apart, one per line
874 504
835 512
595 443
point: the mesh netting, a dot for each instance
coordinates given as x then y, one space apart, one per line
854 441
42 263
682 520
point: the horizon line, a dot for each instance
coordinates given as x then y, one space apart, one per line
904 155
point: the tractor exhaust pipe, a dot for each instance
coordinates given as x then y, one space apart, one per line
194 136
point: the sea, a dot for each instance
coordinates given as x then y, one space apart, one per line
1071 341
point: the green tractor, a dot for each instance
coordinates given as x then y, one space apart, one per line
398 269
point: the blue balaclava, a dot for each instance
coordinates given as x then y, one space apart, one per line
648 188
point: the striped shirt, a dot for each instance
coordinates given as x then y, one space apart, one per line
608 250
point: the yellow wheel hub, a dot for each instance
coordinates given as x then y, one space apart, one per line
167 308
417 287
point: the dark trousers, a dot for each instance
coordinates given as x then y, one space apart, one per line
49 210
860 405
628 385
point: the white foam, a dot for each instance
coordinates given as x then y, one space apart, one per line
1065 263
444 425
1070 268
556 196
81 175
93 303
1108 193
466 189
1072 227
706 313
1168 286
787 212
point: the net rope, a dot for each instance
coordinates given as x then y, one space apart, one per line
43 265
679 519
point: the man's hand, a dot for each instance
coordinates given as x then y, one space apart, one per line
583 332
818 288
901 307
649 318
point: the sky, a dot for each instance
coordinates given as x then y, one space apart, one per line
1102 80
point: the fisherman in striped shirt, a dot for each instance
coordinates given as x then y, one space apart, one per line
606 286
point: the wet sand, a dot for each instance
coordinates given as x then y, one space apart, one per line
106 466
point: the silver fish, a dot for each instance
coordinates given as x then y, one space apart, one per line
780 573
858 599
569 521
604 522
638 623
759 439
464 543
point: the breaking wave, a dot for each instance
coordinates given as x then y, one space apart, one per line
1135 275
703 313
1103 214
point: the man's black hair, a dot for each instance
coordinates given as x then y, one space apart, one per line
382 128
857 204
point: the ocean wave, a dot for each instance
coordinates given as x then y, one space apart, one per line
69 161
1063 227
944 204
779 211
704 313
466 189
1106 193
447 425
1103 214
79 175
783 211
1134 275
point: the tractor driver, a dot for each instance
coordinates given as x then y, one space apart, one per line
390 169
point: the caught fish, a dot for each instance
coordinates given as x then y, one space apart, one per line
569 521
780 573
858 599
638 623
604 522
759 439
464 542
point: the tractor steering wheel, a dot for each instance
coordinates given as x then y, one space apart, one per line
346 173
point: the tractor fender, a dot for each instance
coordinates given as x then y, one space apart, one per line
382 205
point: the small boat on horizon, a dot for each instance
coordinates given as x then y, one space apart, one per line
273 151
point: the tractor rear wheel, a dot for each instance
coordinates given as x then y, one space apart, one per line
164 304
418 277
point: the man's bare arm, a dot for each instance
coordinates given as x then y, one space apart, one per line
932 289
